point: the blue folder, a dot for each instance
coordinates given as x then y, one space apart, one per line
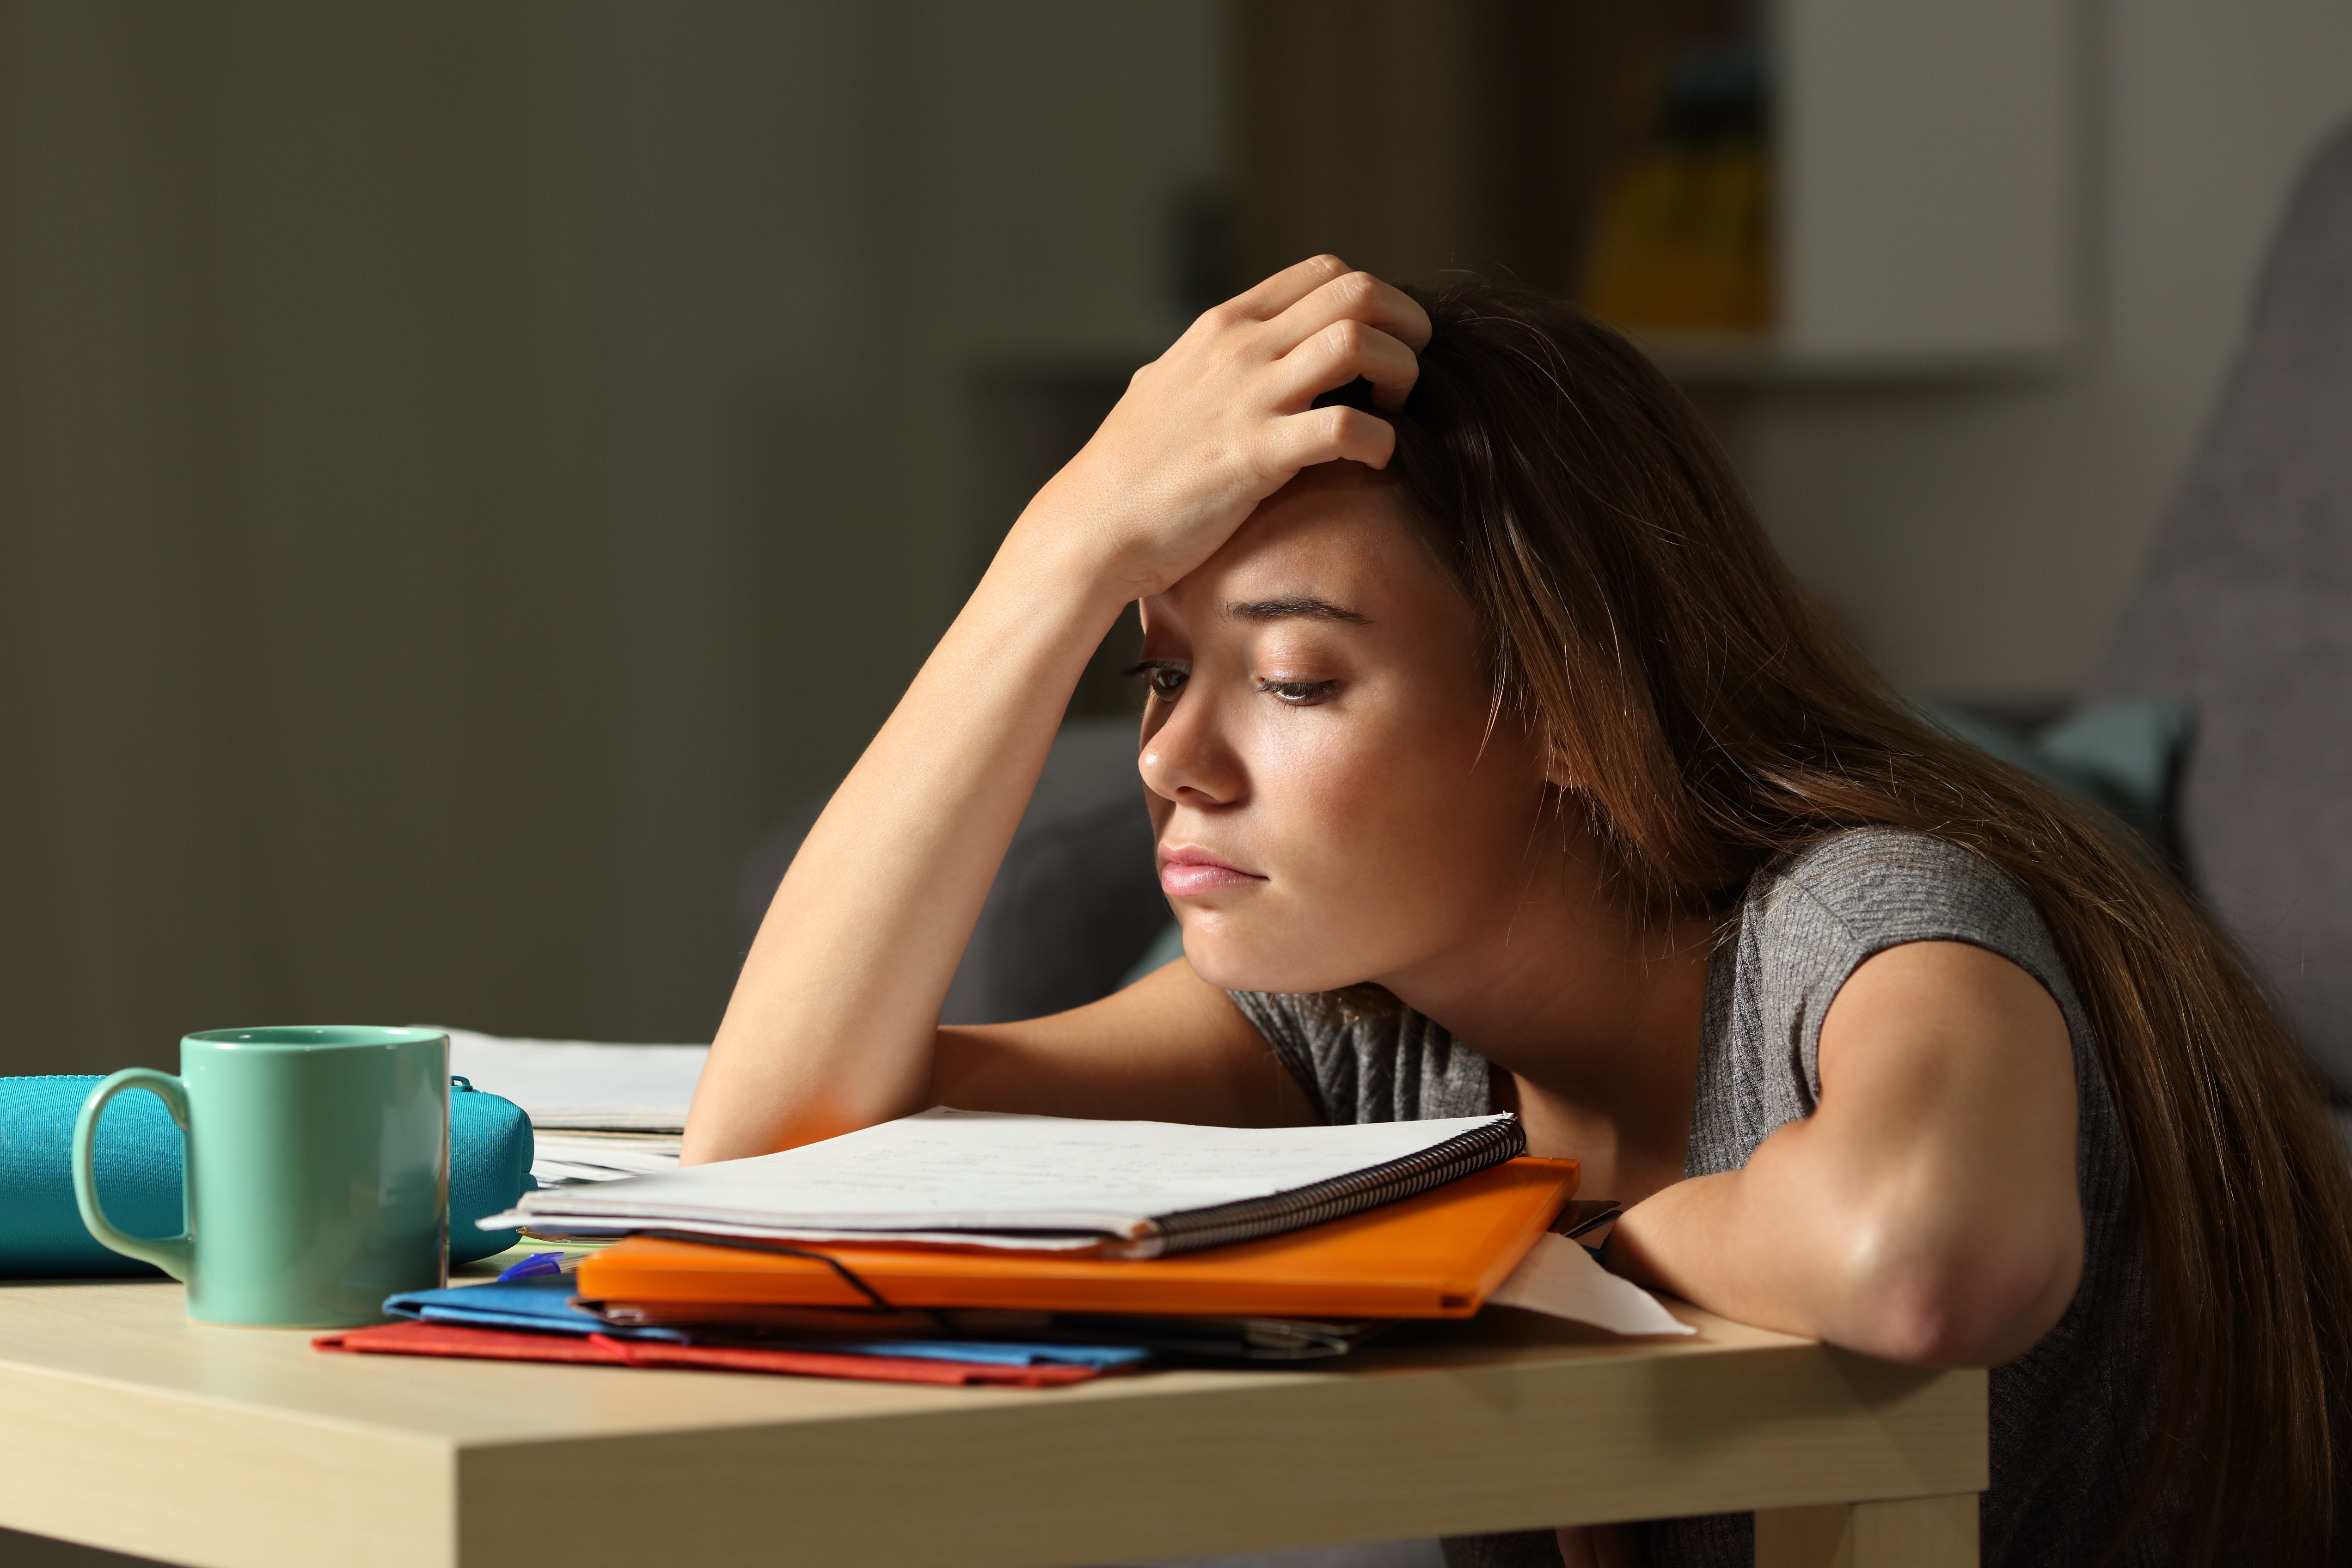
542 1303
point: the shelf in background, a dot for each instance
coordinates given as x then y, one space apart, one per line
1903 175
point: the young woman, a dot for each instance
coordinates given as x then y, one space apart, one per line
1495 762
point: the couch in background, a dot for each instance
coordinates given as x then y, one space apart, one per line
2245 609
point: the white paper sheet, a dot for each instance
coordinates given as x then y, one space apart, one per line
582 1083
599 1157
1061 1244
947 1169
1559 1278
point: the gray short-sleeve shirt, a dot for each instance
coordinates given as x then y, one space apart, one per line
2070 1417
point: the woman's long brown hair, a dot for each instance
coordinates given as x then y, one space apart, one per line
1635 610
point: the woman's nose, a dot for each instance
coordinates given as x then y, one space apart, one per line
1186 758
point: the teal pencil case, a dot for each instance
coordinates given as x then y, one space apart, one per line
138 1156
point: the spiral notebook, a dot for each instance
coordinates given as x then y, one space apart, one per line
1042 1184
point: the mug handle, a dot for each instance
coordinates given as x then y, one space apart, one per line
173 1254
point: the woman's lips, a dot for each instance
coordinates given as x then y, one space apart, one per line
1185 871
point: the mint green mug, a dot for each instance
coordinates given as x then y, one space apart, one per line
317 1171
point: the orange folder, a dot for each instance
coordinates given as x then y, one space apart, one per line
1434 1256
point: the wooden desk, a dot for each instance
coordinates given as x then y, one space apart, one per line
124 1426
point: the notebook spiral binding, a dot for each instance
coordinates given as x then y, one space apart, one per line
1225 1224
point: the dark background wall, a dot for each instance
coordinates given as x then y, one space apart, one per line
463 469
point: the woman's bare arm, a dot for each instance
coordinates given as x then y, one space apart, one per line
834 1022
1927 1212
1171 1048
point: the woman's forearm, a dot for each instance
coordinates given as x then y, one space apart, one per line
1707 1240
832 1024
1889 1274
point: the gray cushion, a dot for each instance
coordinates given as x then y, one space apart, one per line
2246 608
2124 757
1075 904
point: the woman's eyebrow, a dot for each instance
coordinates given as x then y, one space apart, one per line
1306 608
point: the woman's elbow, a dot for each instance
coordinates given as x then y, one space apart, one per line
1968 1307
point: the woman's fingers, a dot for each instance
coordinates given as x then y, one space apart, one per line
1329 434
1286 288
1351 297
1225 416
1337 355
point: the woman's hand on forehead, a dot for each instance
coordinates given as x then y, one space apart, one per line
1222 420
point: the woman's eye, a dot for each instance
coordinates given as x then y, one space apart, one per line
1165 679
1298 694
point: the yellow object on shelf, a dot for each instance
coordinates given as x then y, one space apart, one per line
1682 240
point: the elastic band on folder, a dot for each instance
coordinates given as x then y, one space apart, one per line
752 1244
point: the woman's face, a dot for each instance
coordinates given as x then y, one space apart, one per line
1331 804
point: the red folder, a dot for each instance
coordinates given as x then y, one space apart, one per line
600 1350
1434 1256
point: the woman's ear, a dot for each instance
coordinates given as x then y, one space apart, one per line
1559 771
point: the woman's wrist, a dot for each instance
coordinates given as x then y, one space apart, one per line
1635 1240
1126 535
1040 611
1088 579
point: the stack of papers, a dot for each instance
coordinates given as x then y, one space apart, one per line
561 1157
978 1185
598 1113
1137 1189
1480 1241
575 1085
